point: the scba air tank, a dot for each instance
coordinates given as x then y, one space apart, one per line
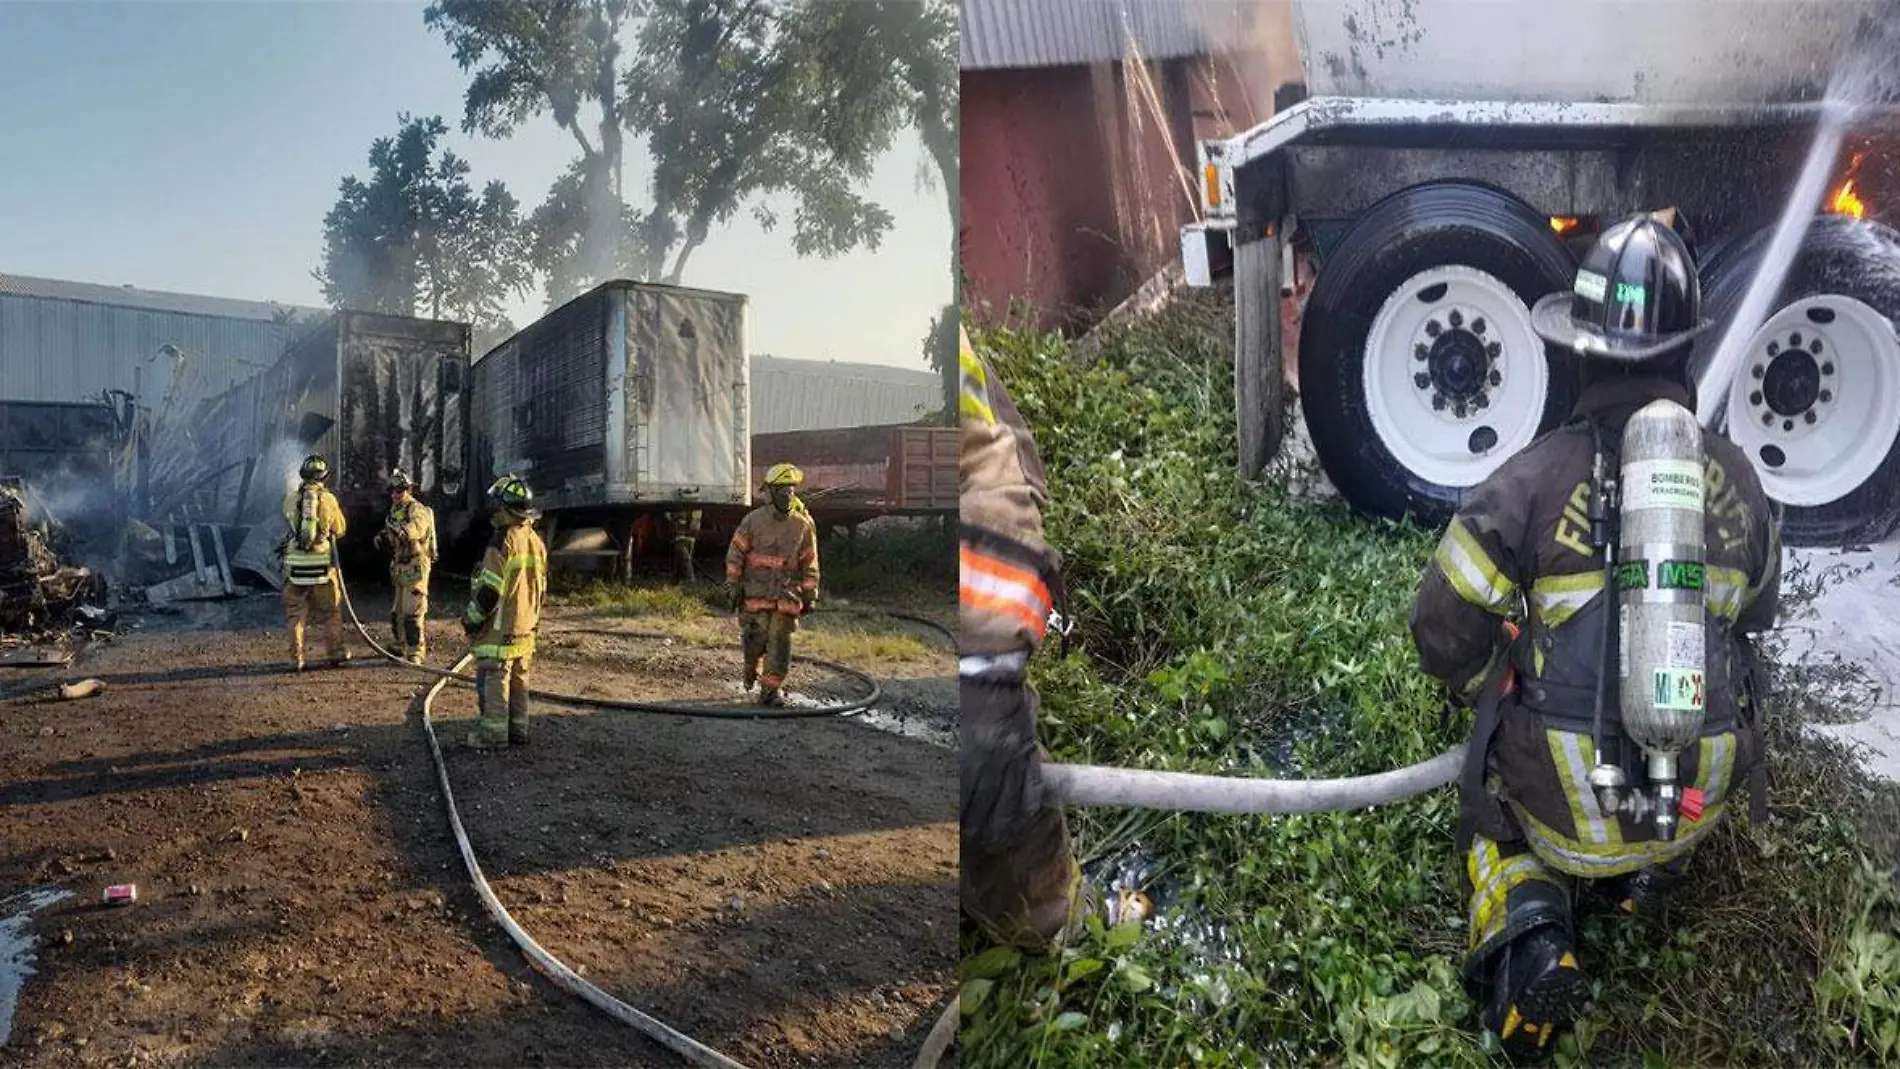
1662 585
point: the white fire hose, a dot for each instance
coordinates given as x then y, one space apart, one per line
1190 792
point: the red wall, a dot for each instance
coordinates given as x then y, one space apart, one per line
1073 194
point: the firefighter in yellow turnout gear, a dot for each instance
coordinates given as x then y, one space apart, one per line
310 580
1534 829
408 536
772 579
504 610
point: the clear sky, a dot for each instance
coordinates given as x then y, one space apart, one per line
196 147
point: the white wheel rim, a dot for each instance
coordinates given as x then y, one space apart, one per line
1822 397
1440 444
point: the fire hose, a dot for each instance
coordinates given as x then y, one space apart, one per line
547 964
1189 792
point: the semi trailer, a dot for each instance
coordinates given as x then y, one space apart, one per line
1442 164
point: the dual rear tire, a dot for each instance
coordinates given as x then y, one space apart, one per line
1420 372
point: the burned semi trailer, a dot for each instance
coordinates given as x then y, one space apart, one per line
369 392
1444 163
629 400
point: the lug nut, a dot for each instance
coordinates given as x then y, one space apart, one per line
1477 325
1815 347
1457 318
1421 350
1767 419
1494 378
1492 350
1774 347
1459 410
1755 398
1422 381
1438 402
1795 339
1432 328
1827 368
1809 416
1483 400
1826 396
1759 370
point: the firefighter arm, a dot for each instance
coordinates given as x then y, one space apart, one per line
808 564
1468 595
486 590
1761 602
333 516
736 554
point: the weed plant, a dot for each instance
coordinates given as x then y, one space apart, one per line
1225 626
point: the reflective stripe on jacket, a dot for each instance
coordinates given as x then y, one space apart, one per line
411 527
1520 548
318 527
515 568
774 559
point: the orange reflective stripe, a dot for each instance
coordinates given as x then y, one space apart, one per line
743 541
982 577
764 560
984 603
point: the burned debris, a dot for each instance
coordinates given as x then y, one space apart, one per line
39 595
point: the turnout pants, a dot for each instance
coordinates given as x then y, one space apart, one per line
408 618
767 635
298 603
501 688
1019 881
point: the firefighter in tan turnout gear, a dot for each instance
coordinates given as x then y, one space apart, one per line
310 580
507 595
1020 882
408 536
1550 806
772 580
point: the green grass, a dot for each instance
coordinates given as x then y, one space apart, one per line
913 564
667 600
857 645
1226 626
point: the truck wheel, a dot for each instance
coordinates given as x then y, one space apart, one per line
1419 370
1815 402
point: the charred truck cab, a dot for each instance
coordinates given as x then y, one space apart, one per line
1452 161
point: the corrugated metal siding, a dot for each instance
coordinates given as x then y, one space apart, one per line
56 349
1058 33
151 300
811 395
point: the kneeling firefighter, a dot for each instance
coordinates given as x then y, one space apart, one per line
1638 553
408 536
504 610
772 580
310 580
1020 882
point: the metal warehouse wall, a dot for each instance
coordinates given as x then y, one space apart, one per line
59 342
812 395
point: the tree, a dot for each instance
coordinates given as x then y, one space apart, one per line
558 57
415 239
738 100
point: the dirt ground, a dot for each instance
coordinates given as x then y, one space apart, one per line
783 892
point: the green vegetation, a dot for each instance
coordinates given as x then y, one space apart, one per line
1225 626
912 564
669 600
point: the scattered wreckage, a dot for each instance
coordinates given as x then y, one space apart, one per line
39 596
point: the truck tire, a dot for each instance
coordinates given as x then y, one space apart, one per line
1816 401
1419 370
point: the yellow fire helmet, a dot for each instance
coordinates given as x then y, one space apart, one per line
784 475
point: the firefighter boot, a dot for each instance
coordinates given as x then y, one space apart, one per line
1536 991
417 641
